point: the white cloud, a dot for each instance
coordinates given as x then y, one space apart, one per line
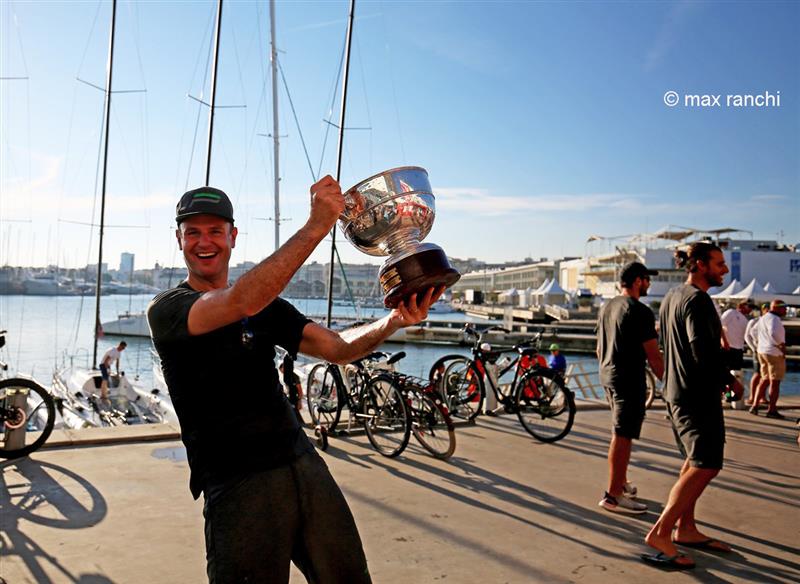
482 202
768 198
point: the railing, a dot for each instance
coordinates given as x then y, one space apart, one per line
585 383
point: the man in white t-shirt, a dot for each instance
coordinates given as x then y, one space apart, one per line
110 356
771 356
751 338
734 323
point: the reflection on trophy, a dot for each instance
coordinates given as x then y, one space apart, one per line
389 214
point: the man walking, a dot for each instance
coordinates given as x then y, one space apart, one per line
626 336
695 376
771 358
110 356
269 498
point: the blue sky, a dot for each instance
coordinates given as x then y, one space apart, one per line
540 123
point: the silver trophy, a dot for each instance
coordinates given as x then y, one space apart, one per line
390 214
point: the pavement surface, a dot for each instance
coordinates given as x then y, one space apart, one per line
503 509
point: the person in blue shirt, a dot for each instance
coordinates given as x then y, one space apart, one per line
557 361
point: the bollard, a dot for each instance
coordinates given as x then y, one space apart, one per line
16 398
490 403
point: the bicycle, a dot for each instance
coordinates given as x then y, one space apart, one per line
430 420
538 395
25 407
330 388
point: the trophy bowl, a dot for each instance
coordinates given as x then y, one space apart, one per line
389 214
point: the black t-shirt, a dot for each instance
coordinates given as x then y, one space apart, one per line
695 370
234 415
623 326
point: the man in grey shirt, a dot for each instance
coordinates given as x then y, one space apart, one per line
695 375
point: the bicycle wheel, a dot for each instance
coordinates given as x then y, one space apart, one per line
385 416
431 425
545 407
324 397
463 389
652 388
36 417
436 372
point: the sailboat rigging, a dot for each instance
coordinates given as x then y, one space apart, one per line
78 387
339 150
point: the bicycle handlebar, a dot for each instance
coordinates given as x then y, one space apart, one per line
395 358
532 343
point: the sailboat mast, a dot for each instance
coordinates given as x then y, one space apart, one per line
275 134
213 92
106 126
339 149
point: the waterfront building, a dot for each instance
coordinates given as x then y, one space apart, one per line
764 260
499 280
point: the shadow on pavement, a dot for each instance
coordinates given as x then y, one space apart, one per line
51 496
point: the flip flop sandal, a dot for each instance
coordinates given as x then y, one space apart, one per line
662 560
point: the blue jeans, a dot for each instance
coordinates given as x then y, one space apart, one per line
257 524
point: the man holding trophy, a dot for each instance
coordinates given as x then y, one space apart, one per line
269 497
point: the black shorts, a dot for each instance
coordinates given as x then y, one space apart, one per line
734 359
627 411
700 432
756 364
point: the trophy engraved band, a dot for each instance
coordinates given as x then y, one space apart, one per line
390 214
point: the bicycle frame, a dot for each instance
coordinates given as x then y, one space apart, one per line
521 364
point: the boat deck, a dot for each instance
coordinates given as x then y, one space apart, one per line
503 509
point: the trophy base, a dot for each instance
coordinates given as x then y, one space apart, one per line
416 273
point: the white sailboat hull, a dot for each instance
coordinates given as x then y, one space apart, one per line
127 325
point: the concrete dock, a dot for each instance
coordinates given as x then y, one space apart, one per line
504 509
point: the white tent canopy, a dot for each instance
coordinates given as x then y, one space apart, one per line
796 290
733 288
752 289
544 285
508 296
525 299
552 294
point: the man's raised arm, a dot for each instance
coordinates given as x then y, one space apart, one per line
257 288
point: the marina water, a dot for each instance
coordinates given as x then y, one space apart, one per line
45 332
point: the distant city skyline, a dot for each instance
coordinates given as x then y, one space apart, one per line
541 124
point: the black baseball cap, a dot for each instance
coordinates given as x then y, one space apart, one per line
204 201
634 270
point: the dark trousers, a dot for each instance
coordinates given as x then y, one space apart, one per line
293 513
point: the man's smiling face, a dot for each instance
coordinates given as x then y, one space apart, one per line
207 241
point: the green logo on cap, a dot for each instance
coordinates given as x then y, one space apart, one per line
207 196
